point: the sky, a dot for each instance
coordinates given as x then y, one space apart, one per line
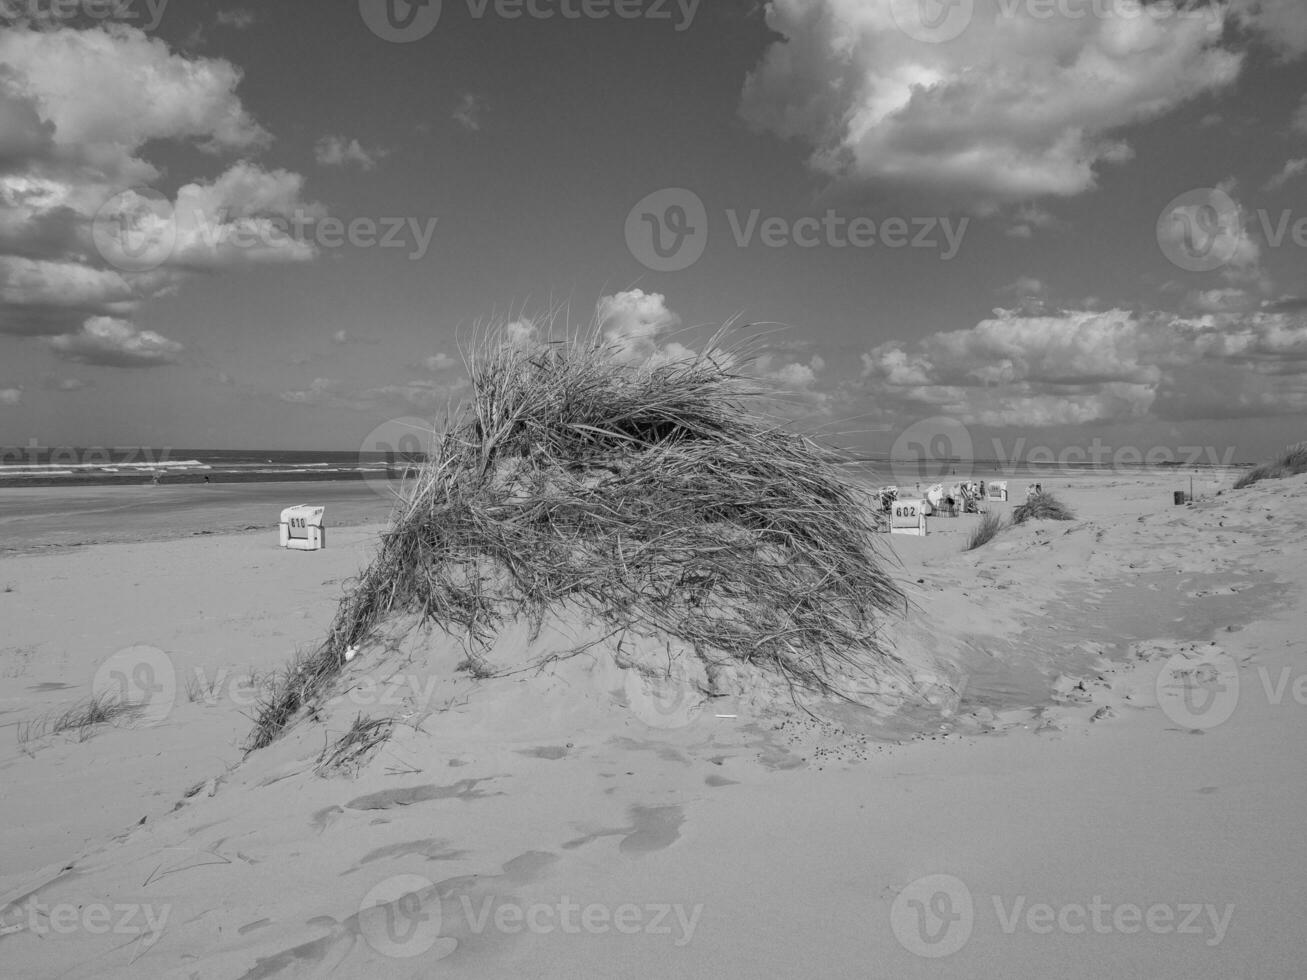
992 226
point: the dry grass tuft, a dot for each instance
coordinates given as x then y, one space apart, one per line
348 754
1291 462
81 719
1042 507
985 531
653 496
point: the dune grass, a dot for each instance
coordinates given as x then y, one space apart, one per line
81 719
984 532
1042 507
653 496
1290 462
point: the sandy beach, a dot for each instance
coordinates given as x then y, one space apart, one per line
1054 810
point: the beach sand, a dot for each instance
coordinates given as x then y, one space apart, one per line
1047 809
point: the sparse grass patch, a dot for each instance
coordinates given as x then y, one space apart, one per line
652 496
349 752
81 719
296 686
984 532
1042 507
1291 462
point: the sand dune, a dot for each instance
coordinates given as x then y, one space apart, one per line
1051 790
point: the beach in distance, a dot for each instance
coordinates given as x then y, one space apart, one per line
1053 798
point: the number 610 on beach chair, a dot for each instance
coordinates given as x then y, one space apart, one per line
302 528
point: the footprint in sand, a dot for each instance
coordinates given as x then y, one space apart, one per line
652 828
464 789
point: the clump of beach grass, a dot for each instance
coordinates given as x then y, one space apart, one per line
654 496
349 752
1043 506
81 719
984 532
1290 462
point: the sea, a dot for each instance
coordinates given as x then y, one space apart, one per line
44 466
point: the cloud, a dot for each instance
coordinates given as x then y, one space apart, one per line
1028 218
521 332
1016 108
344 337
1291 170
318 392
1225 232
1282 24
634 322
109 91
439 362
336 151
51 382
11 396
115 343
238 18
82 240
1298 123
469 111
424 395
1114 366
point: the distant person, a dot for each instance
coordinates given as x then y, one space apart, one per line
206 479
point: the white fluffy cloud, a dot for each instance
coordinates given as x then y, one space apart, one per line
115 343
336 151
1113 366
1291 170
78 109
470 109
107 92
1016 107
